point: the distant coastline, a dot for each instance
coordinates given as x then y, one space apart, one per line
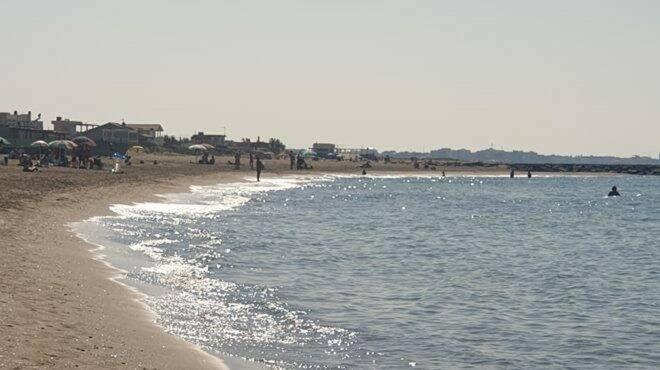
516 157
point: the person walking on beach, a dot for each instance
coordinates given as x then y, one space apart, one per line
251 161
260 167
292 159
237 160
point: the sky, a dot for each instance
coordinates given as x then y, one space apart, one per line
571 77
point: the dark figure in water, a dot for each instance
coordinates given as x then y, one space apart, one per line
529 174
443 173
614 192
512 173
260 167
364 172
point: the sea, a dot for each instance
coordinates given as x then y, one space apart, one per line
395 272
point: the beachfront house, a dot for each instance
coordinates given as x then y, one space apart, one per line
22 130
150 134
202 138
369 154
22 137
324 150
69 127
113 137
24 121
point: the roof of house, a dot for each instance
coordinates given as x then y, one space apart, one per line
201 134
145 127
111 125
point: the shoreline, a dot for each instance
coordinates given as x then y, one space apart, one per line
220 361
62 307
66 307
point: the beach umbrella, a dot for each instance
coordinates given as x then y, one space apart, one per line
4 141
63 144
39 144
198 148
135 148
309 153
84 141
208 146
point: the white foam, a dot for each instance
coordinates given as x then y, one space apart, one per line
211 199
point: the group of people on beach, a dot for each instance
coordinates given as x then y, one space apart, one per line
254 161
298 161
80 159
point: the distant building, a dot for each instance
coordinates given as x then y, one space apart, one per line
324 149
21 121
247 145
113 137
151 133
70 128
23 137
202 138
369 153
348 152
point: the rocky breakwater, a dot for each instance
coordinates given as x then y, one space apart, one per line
638 169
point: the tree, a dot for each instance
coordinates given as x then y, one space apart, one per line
276 146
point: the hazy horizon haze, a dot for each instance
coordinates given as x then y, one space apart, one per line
560 77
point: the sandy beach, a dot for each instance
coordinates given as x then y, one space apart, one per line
59 306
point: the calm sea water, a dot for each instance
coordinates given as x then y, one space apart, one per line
387 272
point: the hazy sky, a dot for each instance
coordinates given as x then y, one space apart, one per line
567 77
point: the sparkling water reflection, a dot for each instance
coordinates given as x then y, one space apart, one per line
400 272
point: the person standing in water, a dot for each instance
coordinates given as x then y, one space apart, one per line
529 174
260 167
512 173
614 192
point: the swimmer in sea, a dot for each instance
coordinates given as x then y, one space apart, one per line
614 192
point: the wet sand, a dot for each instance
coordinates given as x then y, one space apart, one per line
59 306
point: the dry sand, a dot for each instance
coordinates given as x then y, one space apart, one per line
58 305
